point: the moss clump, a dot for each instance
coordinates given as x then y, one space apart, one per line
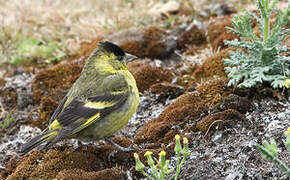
2 82
53 81
50 85
146 75
218 27
212 66
217 119
156 46
192 36
217 32
46 108
186 77
152 131
165 90
185 110
218 43
25 166
208 94
185 113
65 162
241 104
88 47
9 96
11 165
105 174
56 161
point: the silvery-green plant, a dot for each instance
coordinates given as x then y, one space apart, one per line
259 58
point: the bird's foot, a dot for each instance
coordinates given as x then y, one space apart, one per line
118 148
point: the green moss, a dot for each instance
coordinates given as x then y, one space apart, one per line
29 49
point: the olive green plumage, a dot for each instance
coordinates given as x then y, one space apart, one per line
100 102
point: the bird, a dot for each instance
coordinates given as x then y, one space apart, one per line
99 103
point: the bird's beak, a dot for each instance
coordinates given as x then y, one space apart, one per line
130 57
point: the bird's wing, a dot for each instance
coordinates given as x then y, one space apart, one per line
82 112
79 115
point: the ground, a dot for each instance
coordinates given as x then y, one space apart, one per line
179 73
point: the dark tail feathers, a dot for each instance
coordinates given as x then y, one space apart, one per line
44 137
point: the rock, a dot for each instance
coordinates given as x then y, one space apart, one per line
152 42
193 35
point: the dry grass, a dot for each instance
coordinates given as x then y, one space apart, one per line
67 21
72 22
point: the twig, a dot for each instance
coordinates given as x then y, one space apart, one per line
216 121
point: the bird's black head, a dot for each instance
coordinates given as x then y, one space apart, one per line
112 48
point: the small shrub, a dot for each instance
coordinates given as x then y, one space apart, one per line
5 123
161 169
270 152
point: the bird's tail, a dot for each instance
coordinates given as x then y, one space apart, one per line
45 137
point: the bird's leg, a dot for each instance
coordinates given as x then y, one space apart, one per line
117 146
